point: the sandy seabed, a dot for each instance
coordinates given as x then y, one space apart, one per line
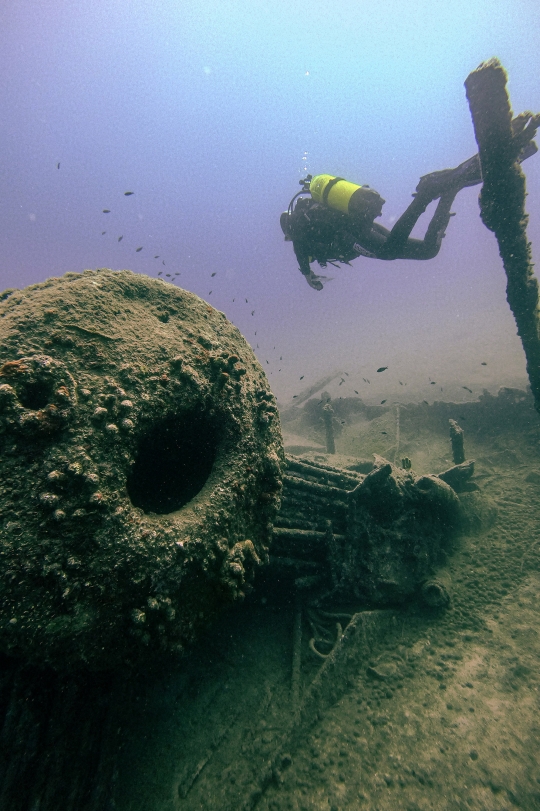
452 723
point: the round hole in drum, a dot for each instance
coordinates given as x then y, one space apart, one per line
173 463
34 394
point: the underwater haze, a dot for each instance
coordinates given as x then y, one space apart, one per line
210 113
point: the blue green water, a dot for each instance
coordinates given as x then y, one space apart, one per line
211 113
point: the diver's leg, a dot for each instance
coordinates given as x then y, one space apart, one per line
445 185
429 247
399 235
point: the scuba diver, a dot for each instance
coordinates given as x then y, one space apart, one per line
336 223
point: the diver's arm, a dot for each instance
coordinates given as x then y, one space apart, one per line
302 256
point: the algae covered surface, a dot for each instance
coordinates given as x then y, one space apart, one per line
141 468
441 709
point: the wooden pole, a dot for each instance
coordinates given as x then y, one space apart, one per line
456 439
502 199
328 417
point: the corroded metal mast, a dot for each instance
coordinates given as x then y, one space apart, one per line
502 199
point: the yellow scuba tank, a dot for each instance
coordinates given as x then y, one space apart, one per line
341 195
334 192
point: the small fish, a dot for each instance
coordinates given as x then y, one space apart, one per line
346 373
168 275
483 363
400 383
294 396
383 402
157 256
58 165
106 210
103 232
210 293
268 361
302 375
213 274
382 368
128 193
246 301
253 312
425 401
384 432
467 389
160 272
355 391
163 261
120 238
281 357
433 383
342 422
139 249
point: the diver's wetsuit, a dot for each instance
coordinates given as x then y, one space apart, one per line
325 235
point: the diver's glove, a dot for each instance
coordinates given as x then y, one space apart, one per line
312 279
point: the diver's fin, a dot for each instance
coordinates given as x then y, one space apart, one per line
436 183
467 173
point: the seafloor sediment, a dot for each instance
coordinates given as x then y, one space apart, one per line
441 713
